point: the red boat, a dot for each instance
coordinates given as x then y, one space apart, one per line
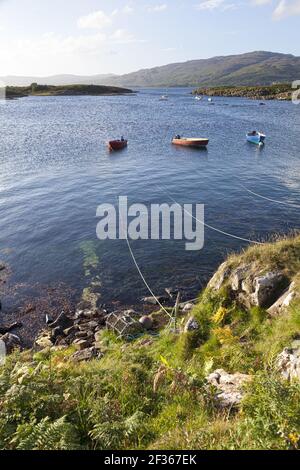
190 142
120 144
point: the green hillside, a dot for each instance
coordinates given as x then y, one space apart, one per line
254 68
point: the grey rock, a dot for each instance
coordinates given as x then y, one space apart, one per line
43 341
81 344
191 325
85 355
7 328
71 331
268 288
11 342
56 333
288 362
229 387
155 300
238 278
62 321
284 301
219 277
188 307
146 322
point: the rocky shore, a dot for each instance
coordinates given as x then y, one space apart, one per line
282 92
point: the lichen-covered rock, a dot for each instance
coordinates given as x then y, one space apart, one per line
250 286
268 288
288 362
191 325
44 341
219 277
229 387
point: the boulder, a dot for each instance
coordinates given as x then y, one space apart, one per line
249 286
219 277
62 321
85 355
188 307
146 322
11 342
43 341
288 362
268 288
229 387
81 344
238 278
7 328
284 301
155 300
191 325
56 333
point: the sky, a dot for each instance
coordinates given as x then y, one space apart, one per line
86 37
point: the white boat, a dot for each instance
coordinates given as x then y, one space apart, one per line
198 98
163 98
255 137
210 100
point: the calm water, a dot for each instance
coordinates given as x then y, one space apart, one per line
55 171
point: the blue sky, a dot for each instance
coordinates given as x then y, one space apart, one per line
45 37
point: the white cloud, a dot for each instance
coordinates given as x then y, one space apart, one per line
261 2
210 5
158 8
127 10
286 8
121 36
96 20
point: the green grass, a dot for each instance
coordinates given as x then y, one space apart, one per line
152 395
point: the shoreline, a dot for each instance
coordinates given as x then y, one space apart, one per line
67 90
280 92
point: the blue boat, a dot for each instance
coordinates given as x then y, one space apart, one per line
255 137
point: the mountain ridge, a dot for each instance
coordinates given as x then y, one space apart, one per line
249 69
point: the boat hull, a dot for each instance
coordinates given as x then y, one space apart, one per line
115 145
195 143
257 139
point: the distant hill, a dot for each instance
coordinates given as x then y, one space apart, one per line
56 80
253 68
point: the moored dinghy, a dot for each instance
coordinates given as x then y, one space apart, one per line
119 144
256 137
190 141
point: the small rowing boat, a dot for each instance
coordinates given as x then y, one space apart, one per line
190 142
255 137
164 98
115 145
